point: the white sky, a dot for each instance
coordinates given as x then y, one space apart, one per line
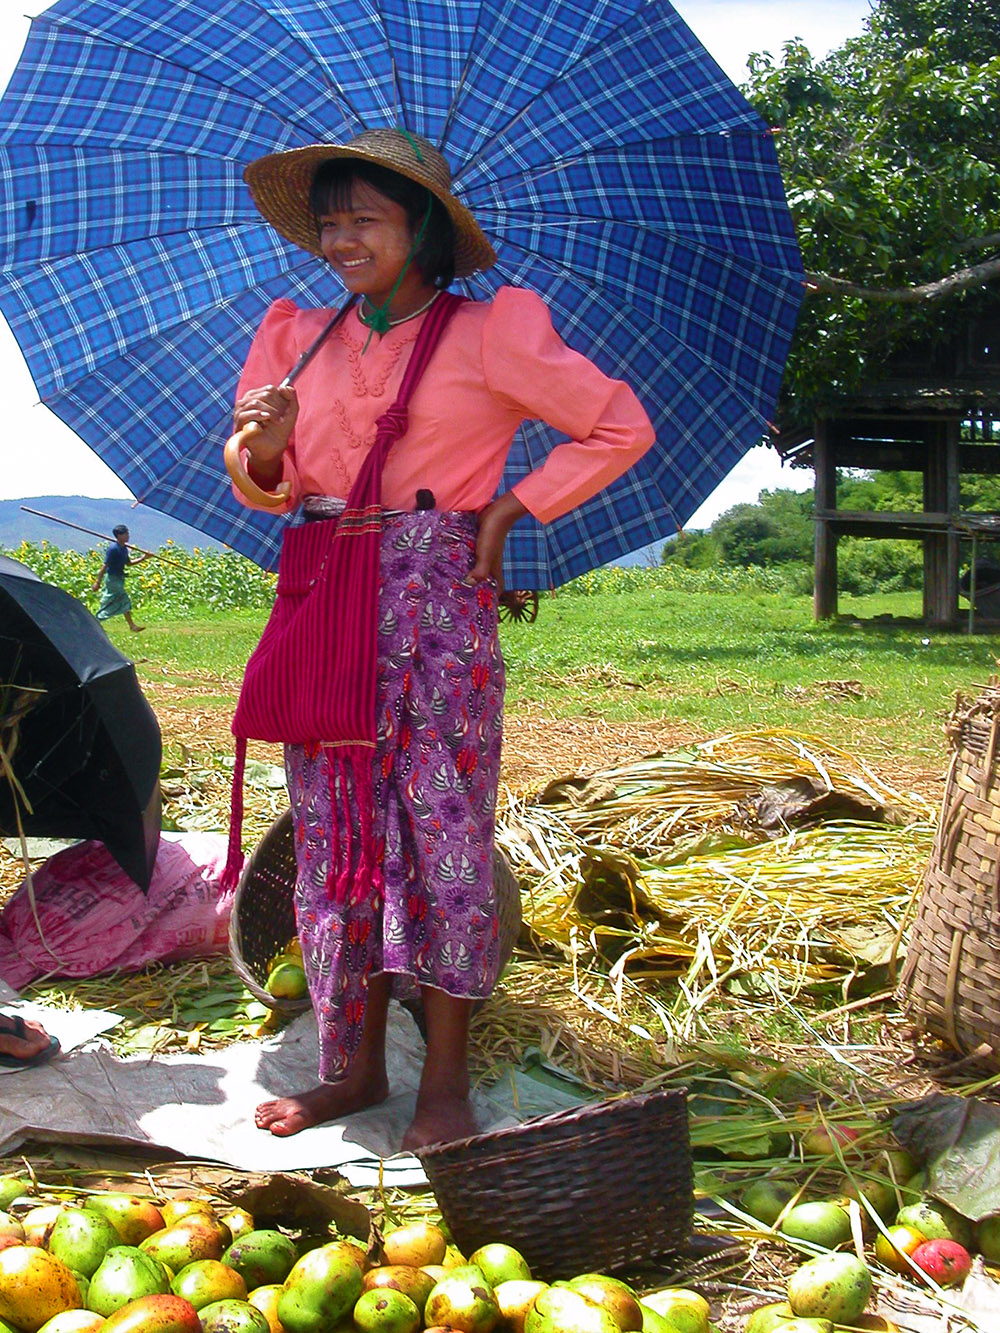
41 456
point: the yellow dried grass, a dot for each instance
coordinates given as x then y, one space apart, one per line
656 799
719 904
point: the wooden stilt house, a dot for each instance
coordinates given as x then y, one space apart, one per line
933 410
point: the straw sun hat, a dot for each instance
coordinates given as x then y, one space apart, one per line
280 182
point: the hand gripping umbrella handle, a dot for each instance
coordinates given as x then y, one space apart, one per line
231 454
242 479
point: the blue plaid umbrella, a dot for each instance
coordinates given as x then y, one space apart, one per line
617 170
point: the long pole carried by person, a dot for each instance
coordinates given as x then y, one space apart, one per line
155 555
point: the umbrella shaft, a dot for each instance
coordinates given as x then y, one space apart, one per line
314 347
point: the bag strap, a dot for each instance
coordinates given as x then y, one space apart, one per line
366 493
341 688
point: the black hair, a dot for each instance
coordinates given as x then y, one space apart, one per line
331 190
120 530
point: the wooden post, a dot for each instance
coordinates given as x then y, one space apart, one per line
941 495
953 485
931 495
824 498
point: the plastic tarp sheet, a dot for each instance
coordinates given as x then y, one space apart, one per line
201 1106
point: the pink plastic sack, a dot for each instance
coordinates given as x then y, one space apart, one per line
94 918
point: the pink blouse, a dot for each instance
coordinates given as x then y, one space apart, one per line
498 363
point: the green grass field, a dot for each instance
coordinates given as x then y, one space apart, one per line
712 651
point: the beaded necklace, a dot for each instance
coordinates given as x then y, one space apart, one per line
374 322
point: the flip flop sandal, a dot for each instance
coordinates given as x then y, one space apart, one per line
13 1026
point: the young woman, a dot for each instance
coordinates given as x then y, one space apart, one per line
380 210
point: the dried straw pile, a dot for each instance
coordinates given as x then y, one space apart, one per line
660 913
657 903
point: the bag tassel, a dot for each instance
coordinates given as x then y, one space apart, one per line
347 882
234 858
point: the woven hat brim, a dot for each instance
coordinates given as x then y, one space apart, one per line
280 183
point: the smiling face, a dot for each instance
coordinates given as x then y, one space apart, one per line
367 244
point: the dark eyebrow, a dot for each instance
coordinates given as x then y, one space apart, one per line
352 208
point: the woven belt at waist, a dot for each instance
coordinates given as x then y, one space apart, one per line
316 507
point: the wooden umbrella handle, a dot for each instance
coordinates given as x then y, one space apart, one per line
241 477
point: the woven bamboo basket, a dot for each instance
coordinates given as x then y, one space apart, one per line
950 984
599 1188
262 920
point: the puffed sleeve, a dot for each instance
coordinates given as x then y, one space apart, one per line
274 350
529 368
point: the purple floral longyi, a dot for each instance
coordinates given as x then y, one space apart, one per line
440 685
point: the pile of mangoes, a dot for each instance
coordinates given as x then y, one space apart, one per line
125 1263
919 1237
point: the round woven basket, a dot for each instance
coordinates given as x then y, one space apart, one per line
950 984
262 920
598 1188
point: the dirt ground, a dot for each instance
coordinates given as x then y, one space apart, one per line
538 746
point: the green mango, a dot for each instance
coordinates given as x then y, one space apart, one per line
321 1288
81 1239
261 1257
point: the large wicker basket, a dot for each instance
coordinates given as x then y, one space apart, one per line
605 1187
263 913
950 985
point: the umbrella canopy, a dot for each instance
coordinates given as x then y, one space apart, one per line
616 169
81 741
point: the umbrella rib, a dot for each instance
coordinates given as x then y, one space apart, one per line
182 318
397 92
554 168
353 113
571 277
221 428
598 154
568 221
48 19
519 115
665 11
459 84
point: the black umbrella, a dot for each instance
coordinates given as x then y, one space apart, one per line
81 746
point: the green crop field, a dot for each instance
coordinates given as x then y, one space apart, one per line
710 651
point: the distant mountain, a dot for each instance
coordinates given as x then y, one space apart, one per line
649 557
147 527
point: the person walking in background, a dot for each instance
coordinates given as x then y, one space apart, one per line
116 601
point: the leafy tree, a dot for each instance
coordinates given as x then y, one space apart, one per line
741 534
903 491
981 492
891 160
774 531
778 531
692 550
965 29
866 567
883 492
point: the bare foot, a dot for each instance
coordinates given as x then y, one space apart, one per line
330 1101
137 629
23 1041
439 1119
